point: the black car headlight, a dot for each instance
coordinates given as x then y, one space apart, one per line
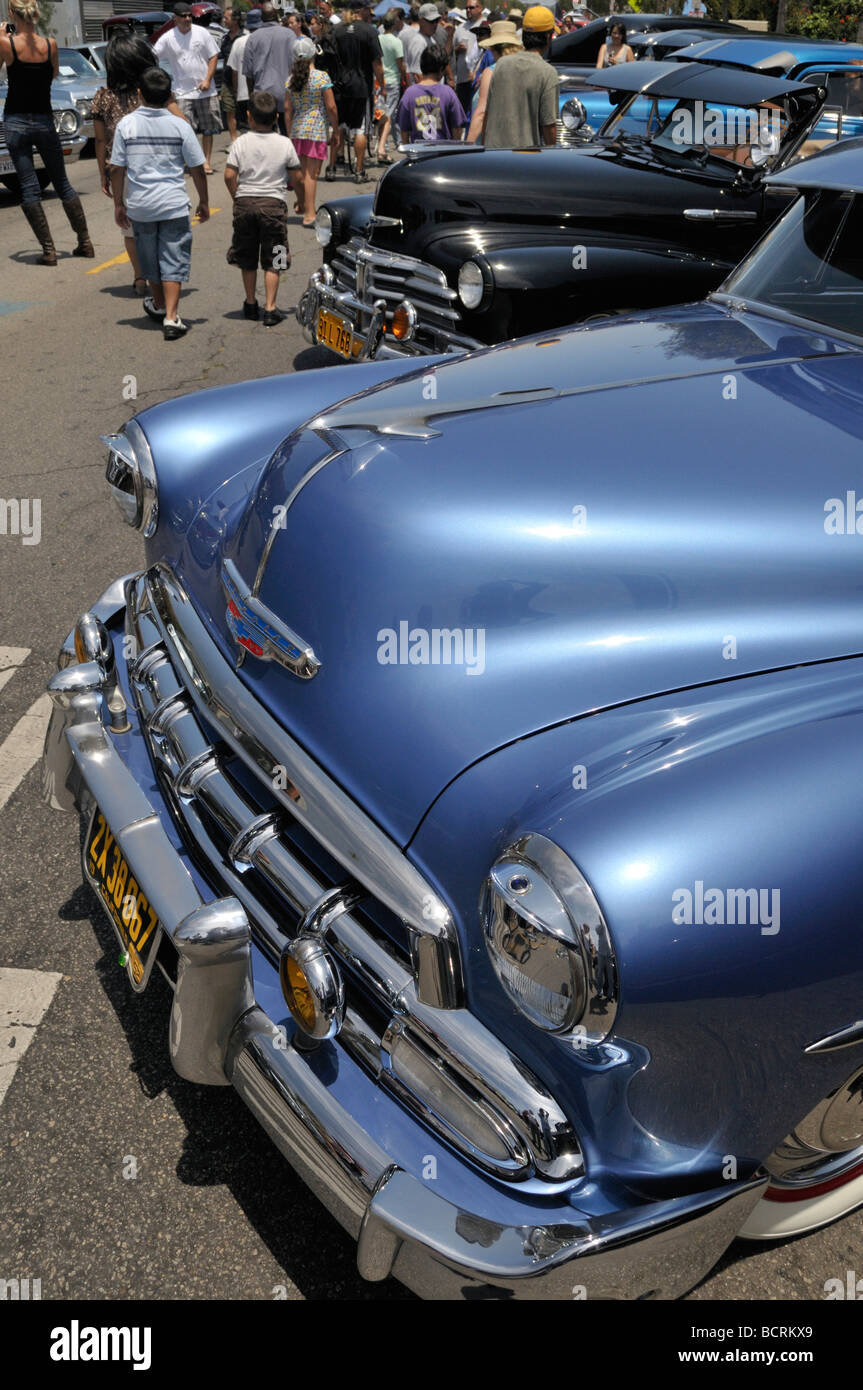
131 476
323 227
548 941
471 285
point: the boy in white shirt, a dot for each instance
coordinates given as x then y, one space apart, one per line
260 163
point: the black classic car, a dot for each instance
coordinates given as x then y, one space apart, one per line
463 246
581 46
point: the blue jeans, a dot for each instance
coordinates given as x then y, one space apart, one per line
26 133
164 248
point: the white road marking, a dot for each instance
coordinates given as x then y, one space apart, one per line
24 999
23 747
10 659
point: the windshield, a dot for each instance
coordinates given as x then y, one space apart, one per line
750 136
73 63
811 264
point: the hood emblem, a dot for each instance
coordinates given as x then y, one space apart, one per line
256 629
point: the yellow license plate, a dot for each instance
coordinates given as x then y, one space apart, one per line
335 332
124 900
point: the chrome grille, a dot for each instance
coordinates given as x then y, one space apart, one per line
366 273
246 840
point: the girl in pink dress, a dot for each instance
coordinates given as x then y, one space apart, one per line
310 111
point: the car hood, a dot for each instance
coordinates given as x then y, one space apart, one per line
589 545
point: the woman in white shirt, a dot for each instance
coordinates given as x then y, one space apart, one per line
617 50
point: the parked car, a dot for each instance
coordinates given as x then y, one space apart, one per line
76 75
69 125
836 66
585 109
146 23
581 47
469 246
95 55
515 888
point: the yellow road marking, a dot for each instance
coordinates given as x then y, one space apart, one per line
118 260
122 259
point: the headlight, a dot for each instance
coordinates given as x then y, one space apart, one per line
131 476
67 122
84 109
573 114
324 227
470 285
548 941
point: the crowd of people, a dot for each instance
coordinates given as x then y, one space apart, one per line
301 92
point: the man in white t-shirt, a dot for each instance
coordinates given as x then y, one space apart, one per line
259 166
239 81
191 55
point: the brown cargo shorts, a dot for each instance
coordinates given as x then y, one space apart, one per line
260 234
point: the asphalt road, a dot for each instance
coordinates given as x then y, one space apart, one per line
212 1210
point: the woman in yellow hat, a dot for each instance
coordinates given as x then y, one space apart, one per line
504 38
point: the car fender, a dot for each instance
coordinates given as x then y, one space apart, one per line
521 269
749 783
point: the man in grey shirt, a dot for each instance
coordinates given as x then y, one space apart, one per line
521 110
416 41
269 58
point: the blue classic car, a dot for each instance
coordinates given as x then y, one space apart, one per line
594 107
477 759
836 66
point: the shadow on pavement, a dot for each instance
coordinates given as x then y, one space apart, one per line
224 1145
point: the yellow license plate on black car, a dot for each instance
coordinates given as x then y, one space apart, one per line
335 332
124 900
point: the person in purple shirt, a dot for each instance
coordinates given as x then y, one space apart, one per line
430 110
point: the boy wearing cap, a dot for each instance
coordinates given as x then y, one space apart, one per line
521 112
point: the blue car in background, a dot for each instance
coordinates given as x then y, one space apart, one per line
477 758
836 66
597 106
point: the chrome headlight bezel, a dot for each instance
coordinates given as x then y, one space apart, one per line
537 897
67 122
573 115
131 476
324 227
471 285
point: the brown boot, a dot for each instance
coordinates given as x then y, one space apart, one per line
75 214
35 214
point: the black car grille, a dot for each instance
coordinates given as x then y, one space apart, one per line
367 273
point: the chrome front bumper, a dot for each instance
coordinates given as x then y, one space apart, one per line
368 323
220 1035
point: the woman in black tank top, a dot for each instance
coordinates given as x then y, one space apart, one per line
31 66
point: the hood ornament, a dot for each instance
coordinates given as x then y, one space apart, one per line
256 629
